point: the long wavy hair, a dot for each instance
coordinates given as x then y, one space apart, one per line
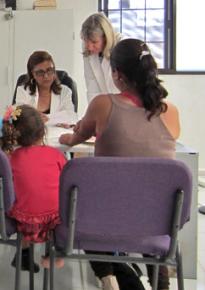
36 58
133 59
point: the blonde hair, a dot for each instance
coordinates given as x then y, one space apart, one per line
98 24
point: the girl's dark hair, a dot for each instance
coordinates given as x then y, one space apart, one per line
36 58
133 59
27 129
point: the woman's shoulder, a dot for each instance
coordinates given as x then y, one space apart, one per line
119 37
101 100
65 90
99 106
171 119
171 108
22 88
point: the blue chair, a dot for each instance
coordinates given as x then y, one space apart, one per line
8 225
133 205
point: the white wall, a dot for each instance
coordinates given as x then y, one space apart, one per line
187 92
81 10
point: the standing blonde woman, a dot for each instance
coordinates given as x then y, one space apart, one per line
99 38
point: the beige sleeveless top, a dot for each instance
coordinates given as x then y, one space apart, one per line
130 133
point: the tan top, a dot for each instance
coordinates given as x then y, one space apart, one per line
130 133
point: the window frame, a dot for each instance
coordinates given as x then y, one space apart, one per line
169 36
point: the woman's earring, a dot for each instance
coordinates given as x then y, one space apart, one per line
32 81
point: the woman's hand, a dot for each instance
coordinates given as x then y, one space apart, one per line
66 139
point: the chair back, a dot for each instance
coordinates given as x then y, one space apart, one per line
63 77
7 197
120 199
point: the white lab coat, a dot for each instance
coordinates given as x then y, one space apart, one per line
98 76
62 102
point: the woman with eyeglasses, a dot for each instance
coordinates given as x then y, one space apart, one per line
42 88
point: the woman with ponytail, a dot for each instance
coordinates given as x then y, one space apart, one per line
136 122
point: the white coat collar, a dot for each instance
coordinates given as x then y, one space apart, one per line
54 101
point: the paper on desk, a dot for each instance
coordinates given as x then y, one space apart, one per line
62 117
53 132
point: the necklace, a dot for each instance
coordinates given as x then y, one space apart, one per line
133 98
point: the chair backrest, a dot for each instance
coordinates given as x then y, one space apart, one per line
7 196
120 199
63 77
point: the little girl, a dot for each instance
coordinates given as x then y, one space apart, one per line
36 169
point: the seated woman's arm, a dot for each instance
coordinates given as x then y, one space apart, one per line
91 124
82 132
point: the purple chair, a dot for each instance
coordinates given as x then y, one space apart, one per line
8 225
121 204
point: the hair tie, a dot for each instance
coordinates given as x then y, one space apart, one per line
143 53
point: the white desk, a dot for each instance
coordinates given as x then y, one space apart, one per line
53 134
188 235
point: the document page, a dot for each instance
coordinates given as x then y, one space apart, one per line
62 117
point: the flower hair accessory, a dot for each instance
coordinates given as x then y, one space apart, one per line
143 53
11 114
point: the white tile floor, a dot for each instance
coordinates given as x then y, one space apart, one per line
78 276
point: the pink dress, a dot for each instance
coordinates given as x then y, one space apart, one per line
36 171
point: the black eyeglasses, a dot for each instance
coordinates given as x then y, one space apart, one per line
41 73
